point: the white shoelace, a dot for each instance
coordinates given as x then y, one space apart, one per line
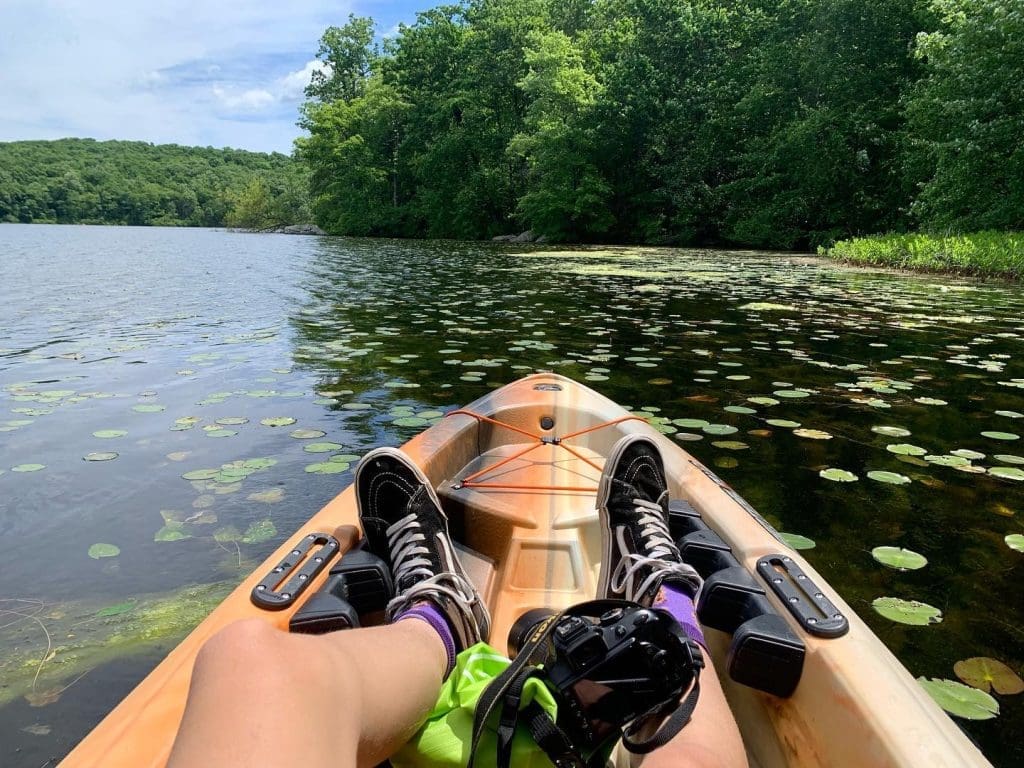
409 558
660 561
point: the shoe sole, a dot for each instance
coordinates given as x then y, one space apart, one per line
401 456
603 492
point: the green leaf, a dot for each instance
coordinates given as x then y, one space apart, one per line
812 434
171 532
96 551
783 423
730 445
221 433
838 475
796 541
232 421
328 468
899 558
100 456
893 478
1015 541
201 474
277 421
690 423
719 429
109 434
259 532
1007 436
906 449
148 408
306 434
1007 473
791 394
28 467
907 611
961 700
891 431
321 447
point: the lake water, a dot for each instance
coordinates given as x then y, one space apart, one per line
169 348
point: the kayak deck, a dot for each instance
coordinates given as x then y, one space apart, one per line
537 547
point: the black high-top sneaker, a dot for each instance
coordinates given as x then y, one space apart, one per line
632 499
405 526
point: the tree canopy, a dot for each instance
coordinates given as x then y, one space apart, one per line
775 123
81 181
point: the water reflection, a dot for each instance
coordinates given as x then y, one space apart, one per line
368 341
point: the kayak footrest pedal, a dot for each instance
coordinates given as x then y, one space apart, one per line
808 604
289 578
355 594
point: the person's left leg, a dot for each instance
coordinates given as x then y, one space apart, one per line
264 697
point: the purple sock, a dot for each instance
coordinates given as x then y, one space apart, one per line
432 616
681 607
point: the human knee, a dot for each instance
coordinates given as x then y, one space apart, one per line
246 643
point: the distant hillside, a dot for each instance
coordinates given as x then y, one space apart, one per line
83 181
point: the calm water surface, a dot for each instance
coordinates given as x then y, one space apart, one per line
169 348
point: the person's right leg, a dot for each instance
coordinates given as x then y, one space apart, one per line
641 563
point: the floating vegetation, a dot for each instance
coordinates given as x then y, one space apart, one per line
892 478
1015 541
906 449
907 611
109 434
812 434
899 558
838 475
796 541
306 434
100 456
961 700
987 674
1007 436
96 551
149 408
259 532
277 421
321 447
27 467
891 431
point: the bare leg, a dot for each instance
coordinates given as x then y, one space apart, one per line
263 697
711 739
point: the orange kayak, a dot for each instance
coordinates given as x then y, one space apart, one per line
517 472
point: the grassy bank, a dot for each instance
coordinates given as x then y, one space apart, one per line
998 254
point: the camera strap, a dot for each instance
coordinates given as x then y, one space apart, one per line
507 689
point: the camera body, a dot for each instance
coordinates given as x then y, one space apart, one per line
610 669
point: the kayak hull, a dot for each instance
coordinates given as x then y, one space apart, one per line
524 548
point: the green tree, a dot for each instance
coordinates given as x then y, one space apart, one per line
967 117
347 53
565 197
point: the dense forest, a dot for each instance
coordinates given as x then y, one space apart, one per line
81 181
769 123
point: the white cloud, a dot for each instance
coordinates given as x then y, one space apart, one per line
228 73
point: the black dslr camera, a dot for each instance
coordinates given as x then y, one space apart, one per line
613 666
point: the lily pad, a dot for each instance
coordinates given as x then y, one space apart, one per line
899 558
730 445
28 467
812 434
967 453
838 475
259 532
690 423
719 429
321 447
109 434
930 401
1010 414
907 611
171 532
100 456
1007 473
221 433
277 421
796 541
892 478
961 700
96 551
1007 436
906 449
306 434
201 474
1009 458
987 674
410 421
791 394
741 409
891 431
1015 541
149 408
783 423
947 460
328 467
232 421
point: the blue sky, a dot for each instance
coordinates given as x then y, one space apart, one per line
203 72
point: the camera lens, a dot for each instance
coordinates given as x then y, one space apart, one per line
520 631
